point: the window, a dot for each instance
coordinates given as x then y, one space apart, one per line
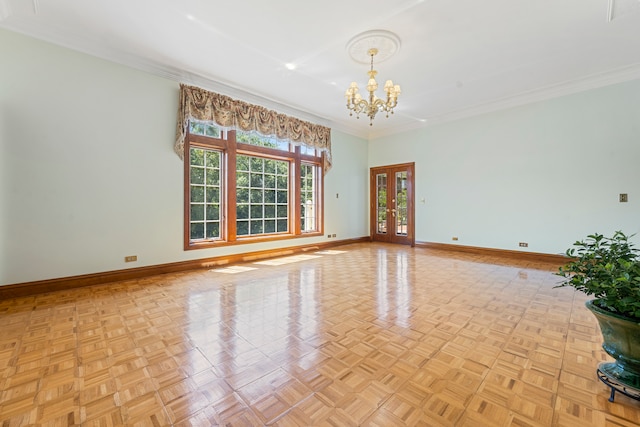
308 201
262 196
241 187
204 192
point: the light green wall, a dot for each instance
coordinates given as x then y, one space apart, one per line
547 173
88 173
346 187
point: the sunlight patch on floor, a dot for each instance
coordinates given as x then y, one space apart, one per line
287 260
330 252
233 269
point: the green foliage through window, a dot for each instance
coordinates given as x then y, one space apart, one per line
204 186
261 141
262 195
308 198
204 128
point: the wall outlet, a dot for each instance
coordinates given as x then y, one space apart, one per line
624 198
523 244
333 235
455 238
328 236
131 258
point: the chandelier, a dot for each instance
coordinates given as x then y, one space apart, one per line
371 106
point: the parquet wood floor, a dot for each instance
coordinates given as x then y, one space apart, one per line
368 335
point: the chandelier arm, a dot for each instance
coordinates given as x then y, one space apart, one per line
363 105
357 106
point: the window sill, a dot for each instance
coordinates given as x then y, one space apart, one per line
248 240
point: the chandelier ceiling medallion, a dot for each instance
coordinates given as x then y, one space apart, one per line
363 48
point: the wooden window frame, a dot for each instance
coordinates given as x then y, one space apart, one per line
230 149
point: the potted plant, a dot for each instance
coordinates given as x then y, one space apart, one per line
608 268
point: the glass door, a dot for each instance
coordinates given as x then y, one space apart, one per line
392 204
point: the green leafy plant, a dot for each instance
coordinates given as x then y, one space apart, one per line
608 268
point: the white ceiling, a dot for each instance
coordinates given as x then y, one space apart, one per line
457 57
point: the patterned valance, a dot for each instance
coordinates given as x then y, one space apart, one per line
199 104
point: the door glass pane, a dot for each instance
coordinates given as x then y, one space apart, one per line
381 209
401 204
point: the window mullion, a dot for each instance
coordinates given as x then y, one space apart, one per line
230 170
187 198
294 180
319 193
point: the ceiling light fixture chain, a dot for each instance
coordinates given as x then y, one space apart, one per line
357 104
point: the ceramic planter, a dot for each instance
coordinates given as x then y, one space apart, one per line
622 342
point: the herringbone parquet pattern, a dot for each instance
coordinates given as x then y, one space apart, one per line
371 335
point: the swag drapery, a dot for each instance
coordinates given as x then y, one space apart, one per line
200 104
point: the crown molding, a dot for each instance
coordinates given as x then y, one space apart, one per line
594 81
